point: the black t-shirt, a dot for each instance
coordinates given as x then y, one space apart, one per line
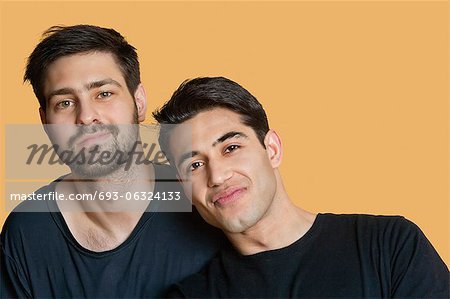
351 256
41 259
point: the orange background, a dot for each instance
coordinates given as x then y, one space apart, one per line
357 90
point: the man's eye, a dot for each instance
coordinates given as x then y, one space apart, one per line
64 104
195 166
231 148
104 94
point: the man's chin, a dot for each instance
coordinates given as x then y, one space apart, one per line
94 171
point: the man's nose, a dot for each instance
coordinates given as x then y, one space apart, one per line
218 172
87 113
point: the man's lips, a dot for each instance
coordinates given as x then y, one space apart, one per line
227 195
93 138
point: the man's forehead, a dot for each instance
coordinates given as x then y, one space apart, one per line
77 70
207 130
92 59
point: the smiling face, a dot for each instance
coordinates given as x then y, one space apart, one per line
232 174
88 106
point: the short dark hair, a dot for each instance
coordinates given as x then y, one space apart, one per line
60 41
206 93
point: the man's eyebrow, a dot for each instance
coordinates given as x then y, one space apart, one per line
229 135
186 156
61 91
100 83
89 86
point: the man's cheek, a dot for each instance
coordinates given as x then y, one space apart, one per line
198 188
60 134
198 199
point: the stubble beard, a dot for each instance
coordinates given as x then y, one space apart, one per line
120 146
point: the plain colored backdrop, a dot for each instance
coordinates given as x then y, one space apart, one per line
358 90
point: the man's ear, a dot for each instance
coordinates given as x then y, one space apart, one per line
140 98
274 148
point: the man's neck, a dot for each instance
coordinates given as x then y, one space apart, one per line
282 225
107 221
109 193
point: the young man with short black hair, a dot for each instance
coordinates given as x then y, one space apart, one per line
217 136
87 81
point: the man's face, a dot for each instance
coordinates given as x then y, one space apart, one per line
88 106
232 174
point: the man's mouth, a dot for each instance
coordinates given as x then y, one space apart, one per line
95 132
94 138
228 195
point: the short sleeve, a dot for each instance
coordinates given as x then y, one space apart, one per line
11 283
417 271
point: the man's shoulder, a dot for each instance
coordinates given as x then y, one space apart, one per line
366 222
395 243
390 236
29 215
